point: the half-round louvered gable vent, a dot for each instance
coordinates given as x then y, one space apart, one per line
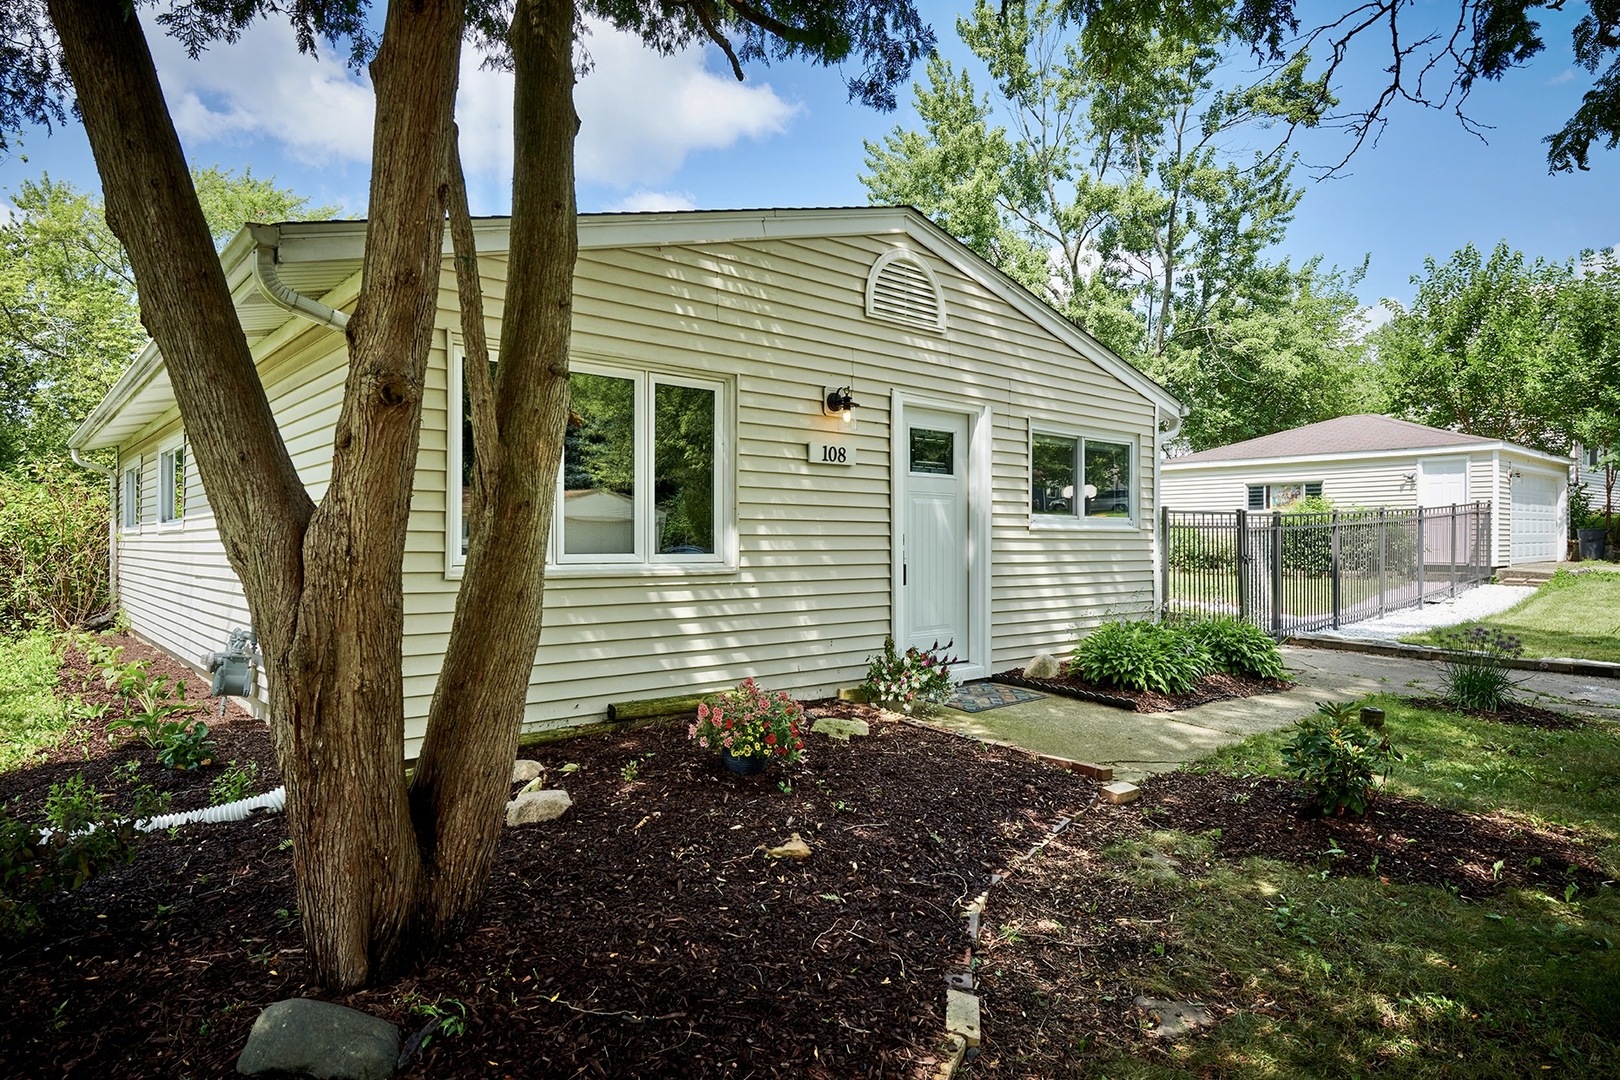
901 289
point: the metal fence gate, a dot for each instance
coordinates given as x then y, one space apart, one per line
1295 573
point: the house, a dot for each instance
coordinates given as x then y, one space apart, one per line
1375 461
1590 474
793 432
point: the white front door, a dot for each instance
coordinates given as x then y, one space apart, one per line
935 565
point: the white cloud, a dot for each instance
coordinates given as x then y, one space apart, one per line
262 88
1567 75
8 213
1369 317
642 201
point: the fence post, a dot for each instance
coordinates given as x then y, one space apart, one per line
1276 570
1422 552
1240 546
1164 560
1451 570
1381 537
1334 585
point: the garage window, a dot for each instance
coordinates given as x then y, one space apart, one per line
1282 496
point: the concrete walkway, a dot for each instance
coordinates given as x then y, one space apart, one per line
1137 744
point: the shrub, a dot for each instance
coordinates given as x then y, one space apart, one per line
1238 646
913 681
1159 657
1338 760
53 550
1194 550
234 784
183 745
1476 672
751 722
84 839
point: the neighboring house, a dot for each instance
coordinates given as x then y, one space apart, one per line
994 488
1589 472
1375 461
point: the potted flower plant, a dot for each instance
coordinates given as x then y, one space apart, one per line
750 727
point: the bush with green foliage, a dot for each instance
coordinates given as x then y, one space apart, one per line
1238 647
1157 657
53 550
84 838
1338 759
234 784
183 745
1195 550
1476 675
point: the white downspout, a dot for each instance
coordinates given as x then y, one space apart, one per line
267 240
112 518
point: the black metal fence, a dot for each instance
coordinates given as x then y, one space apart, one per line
1295 573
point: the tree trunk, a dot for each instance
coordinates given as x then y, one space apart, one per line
324 586
462 773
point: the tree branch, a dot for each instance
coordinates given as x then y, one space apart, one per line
475 346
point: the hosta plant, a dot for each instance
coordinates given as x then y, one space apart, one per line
751 722
1238 646
1157 657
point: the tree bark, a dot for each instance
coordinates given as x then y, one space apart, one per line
460 783
324 586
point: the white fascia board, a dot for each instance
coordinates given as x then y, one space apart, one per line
147 363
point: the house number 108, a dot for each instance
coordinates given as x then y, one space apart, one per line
822 453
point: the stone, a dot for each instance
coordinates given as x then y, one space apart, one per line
951 1057
962 1015
835 728
1120 792
524 770
535 806
306 1037
1175 1018
795 848
1044 666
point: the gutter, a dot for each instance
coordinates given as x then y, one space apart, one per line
112 519
266 245
1160 539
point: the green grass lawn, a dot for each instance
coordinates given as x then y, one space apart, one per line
1575 615
1332 974
31 717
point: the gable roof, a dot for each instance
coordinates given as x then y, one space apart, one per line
321 260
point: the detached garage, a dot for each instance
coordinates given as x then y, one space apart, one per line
1369 461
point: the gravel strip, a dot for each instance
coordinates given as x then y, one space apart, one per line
1476 603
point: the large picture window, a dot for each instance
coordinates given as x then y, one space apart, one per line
1074 477
641 471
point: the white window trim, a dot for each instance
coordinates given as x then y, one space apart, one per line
1268 487
644 562
129 498
165 492
911 258
1075 520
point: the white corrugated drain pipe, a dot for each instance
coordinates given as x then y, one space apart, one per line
271 802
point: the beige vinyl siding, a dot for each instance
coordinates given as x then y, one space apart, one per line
810 597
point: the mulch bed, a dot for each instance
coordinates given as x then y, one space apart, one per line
85 748
1517 712
1218 686
646 933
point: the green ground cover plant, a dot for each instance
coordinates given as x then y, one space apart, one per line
31 717
1574 615
1161 657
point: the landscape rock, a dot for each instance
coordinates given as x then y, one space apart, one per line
795 848
531 807
1044 666
1176 1018
305 1037
524 770
962 1016
835 728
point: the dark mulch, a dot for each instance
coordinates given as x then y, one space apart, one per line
86 749
1219 686
1401 840
1517 712
645 934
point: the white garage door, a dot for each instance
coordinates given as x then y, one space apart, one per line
1535 519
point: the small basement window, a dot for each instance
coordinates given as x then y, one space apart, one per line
902 289
172 483
1282 496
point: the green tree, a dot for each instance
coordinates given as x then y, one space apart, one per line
1585 381
69 321
1477 350
386 863
1113 193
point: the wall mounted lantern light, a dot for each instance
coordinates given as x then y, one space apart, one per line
839 401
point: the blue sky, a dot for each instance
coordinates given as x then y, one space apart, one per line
681 132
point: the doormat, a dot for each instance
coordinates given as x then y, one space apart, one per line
978 696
